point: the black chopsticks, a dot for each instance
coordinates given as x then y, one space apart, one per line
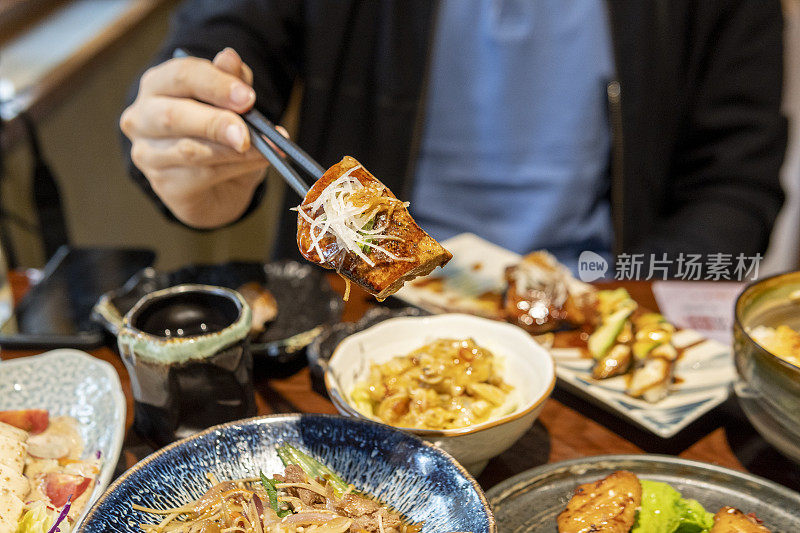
278 161
260 127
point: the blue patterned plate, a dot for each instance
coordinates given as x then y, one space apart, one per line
71 382
704 375
417 479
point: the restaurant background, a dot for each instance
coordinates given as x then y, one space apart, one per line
80 139
77 123
636 374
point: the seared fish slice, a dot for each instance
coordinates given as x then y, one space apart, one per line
607 506
352 223
730 520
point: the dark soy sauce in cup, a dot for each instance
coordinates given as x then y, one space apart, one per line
177 399
187 315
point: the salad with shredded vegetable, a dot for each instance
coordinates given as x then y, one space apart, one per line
308 497
45 480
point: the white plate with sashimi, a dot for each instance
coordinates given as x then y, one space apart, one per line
607 348
62 423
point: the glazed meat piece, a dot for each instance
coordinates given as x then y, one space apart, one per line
607 506
542 295
295 474
616 363
261 302
651 379
730 520
352 223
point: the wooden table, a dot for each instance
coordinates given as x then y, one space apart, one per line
568 426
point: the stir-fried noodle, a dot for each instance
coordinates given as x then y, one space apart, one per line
307 498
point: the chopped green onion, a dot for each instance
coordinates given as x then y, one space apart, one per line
271 491
368 226
286 459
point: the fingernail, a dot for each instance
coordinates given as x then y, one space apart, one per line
242 94
235 136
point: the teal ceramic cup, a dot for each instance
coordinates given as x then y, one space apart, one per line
186 350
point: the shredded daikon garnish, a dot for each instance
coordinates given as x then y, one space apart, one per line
346 296
347 210
550 278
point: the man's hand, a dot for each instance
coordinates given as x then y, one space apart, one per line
189 141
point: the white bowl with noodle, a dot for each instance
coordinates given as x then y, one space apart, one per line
520 361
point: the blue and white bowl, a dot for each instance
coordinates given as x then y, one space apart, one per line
417 479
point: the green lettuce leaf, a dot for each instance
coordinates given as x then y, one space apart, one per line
694 519
663 510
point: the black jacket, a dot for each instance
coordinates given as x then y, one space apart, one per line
697 133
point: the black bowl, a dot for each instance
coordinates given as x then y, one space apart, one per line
306 301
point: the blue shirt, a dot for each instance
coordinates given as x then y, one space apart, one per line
516 141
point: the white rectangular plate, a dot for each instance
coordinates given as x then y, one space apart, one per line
477 267
704 373
71 382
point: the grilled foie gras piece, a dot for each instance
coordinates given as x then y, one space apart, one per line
730 520
352 223
542 295
608 505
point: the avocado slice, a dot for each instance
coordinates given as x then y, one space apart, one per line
649 318
604 336
643 347
609 301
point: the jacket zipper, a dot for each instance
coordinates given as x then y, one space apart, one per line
614 93
419 119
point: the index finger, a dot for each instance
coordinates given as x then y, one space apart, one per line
192 77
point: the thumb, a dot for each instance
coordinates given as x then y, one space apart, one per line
229 61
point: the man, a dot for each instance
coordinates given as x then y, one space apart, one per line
650 126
